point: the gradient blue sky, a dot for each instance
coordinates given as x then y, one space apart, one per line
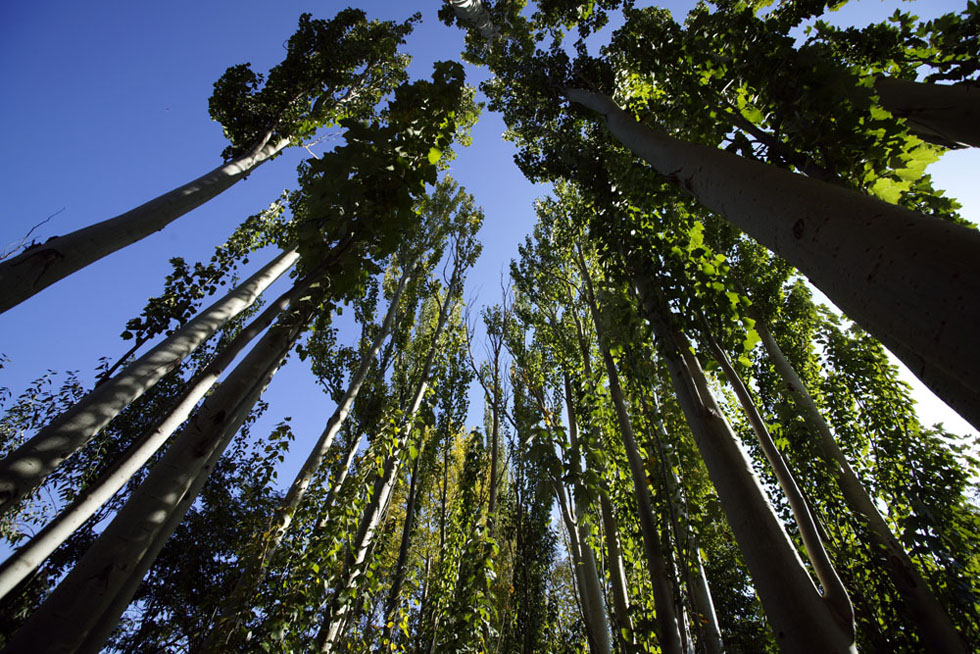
104 106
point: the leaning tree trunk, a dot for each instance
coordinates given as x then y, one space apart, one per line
802 620
938 634
107 622
617 574
669 627
907 278
37 268
943 114
31 555
253 570
82 601
833 589
27 466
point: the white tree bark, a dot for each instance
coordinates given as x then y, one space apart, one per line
66 620
37 268
474 13
335 615
801 619
27 558
833 588
931 619
254 570
907 278
944 114
27 466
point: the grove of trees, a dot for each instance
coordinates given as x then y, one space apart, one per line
677 447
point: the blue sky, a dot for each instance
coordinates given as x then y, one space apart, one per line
104 106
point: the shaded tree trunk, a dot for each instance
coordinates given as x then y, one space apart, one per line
931 619
37 268
253 571
943 114
669 628
96 588
802 620
907 278
27 466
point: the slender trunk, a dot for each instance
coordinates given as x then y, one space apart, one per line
254 570
833 589
802 620
663 592
336 610
709 632
398 575
617 574
26 467
32 554
474 13
586 575
711 641
943 114
930 617
494 446
35 269
905 277
97 583
107 622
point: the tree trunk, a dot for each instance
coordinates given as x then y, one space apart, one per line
31 555
802 620
663 591
907 278
586 575
253 571
336 610
27 466
97 582
931 619
943 114
37 268
617 575
398 574
833 589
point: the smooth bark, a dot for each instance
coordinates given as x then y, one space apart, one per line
37 268
943 114
801 619
95 588
336 611
907 278
617 573
833 589
930 617
27 558
254 569
27 466
669 628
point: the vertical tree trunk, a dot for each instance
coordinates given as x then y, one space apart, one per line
98 580
253 570
801 619
32 554
663 591
944 114
398 574
907 278
617 575
931 619
336 610
37 268
27 466
833 589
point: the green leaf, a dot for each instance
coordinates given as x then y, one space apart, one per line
434 155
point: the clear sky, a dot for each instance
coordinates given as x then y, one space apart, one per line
104 106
